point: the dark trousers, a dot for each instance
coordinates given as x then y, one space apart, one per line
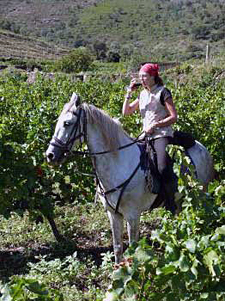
165 168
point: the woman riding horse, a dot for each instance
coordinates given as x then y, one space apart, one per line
116 159
158 113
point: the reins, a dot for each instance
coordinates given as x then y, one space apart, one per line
108 151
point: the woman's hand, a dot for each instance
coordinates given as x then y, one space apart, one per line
133 85
150 129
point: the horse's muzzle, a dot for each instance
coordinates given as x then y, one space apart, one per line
50 157
54 155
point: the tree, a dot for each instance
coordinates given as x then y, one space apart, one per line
113 54
78 60
100 50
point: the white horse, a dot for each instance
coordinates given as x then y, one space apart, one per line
117 169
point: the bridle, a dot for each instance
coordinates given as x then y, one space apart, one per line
77 133
77 128
67 146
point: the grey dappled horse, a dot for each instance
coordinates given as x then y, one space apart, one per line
115 169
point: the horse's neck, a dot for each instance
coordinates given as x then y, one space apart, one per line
97 143
113 167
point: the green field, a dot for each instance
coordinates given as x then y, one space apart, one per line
177 258
46 47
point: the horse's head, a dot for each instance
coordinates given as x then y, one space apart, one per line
68 131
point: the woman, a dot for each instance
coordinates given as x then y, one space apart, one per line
158 113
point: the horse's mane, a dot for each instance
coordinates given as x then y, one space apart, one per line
109 127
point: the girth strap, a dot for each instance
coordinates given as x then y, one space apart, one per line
123 186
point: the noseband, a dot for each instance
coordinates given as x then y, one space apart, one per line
75 134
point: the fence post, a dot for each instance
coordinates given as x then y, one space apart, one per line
207 55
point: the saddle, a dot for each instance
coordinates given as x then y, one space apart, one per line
148 158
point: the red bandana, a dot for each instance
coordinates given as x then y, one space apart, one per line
151 69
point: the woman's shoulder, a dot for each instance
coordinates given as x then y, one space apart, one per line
166 92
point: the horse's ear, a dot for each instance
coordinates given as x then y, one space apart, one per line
75 98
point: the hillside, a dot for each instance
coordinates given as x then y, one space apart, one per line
163 30
17 46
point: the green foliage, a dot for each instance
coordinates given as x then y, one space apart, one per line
78 60
200 102
63 273
20 172
28 117
13 26
22 289
31 64
189 262
186 261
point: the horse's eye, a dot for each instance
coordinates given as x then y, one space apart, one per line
66 123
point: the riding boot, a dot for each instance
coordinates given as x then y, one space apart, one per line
169 184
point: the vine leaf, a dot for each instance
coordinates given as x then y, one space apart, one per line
184 263
211 259
191 245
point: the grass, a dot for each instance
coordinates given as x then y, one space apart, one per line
80 267
73 221
75 266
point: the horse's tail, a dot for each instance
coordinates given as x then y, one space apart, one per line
203 163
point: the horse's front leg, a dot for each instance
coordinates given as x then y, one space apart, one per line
133 228
116 222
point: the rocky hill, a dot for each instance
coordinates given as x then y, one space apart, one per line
119 29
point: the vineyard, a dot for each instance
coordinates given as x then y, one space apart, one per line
55 242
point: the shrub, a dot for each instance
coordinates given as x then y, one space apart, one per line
78 60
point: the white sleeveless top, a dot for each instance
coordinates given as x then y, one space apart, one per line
152 111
